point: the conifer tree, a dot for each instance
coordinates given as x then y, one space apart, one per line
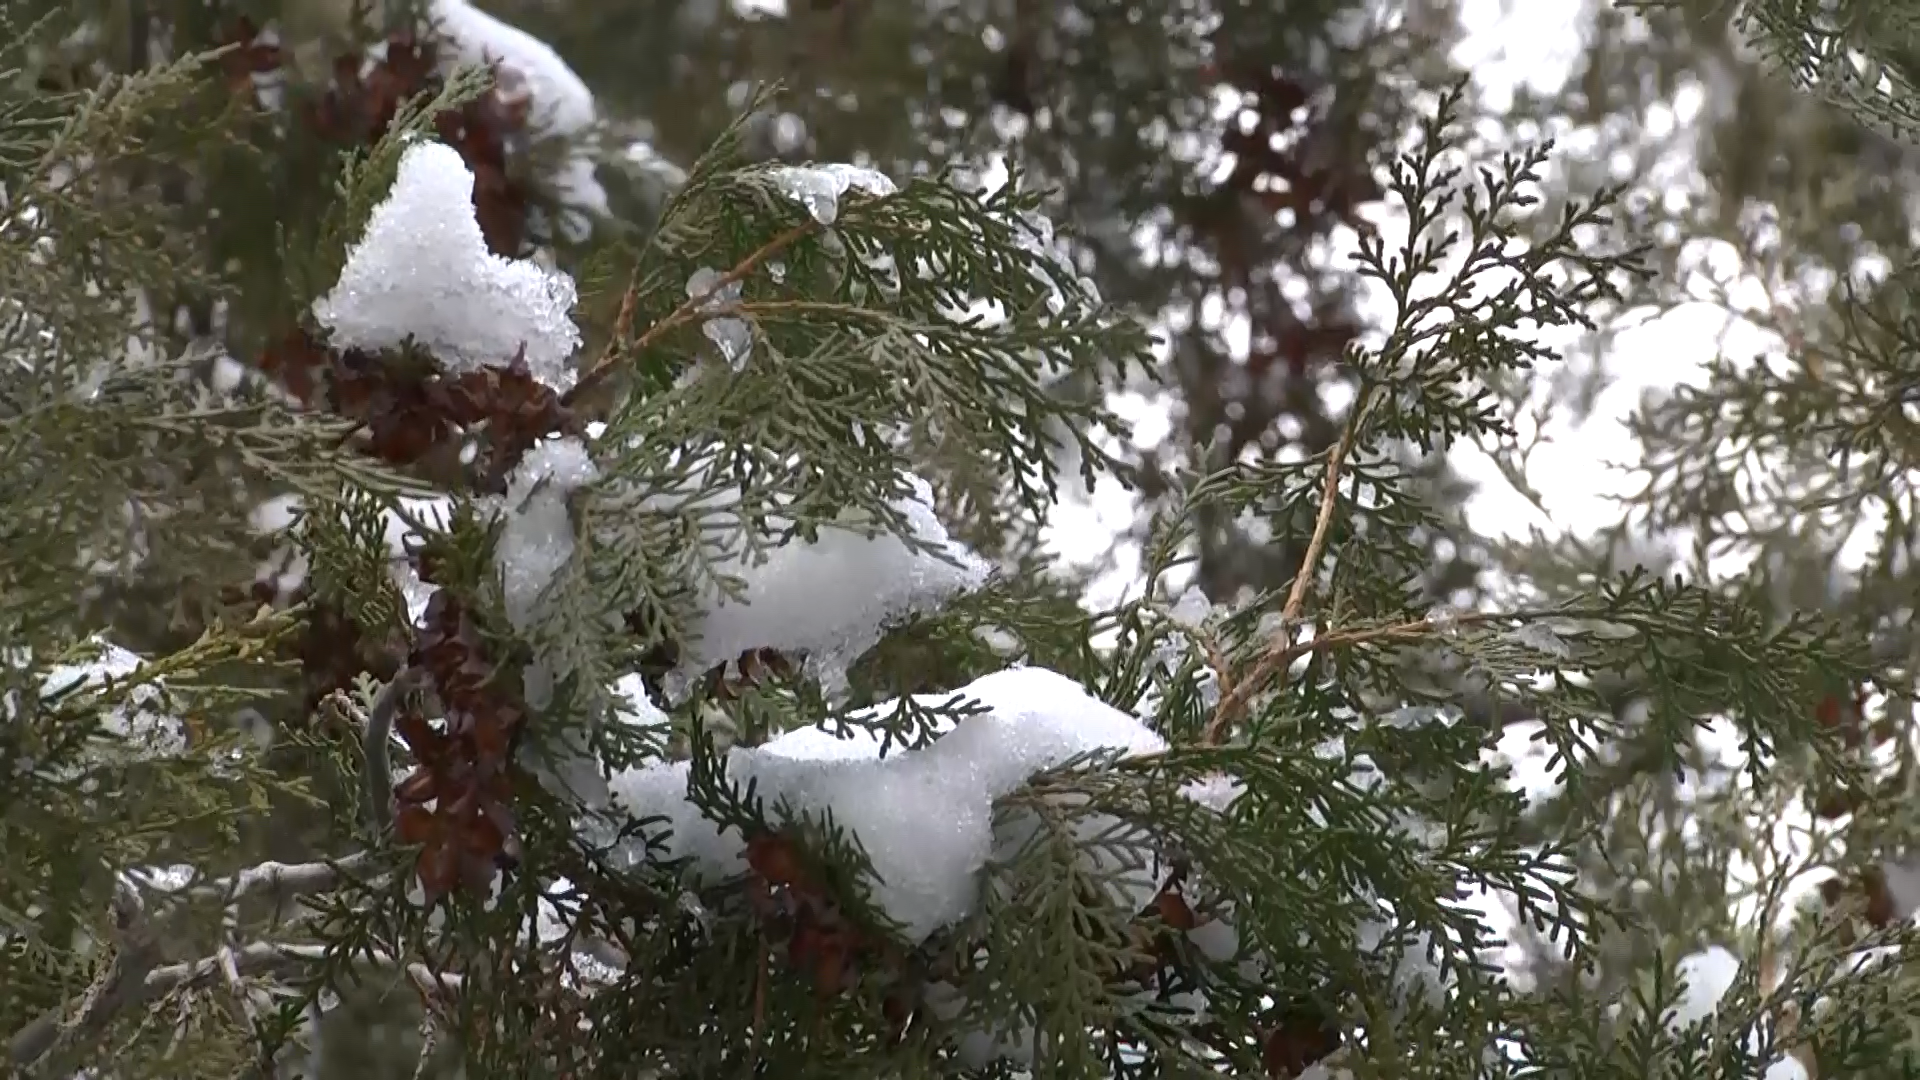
625 635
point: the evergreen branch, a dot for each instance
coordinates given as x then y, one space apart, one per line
126 986
690 309
124 980
273 958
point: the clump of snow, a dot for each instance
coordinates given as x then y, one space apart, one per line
560 101
1707 976
1787 1068
559 105
1217 792
1217 940
637 707
649 162
731 334
1415 972
142 729
423 272
820 188
402 528
1192 609
978 1049
830 600
167 879
537 539
1903 884
924 817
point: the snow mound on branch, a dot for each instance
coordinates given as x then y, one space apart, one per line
830 600
924 817
559 103
1707 975
423 271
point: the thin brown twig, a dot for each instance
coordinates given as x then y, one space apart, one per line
685 313
1280 652
622 322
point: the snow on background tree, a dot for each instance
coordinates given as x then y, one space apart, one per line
629 636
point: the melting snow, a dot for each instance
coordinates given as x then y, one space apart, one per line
819 188
732 335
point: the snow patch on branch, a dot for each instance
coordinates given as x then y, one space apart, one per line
832 599
924 817
423 272
143 729
537 539
558 101
1706 977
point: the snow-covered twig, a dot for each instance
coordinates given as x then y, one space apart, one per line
133 976
229 966
272 958
277 880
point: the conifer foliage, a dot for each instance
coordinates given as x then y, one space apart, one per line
624 636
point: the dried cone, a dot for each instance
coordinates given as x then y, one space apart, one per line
469 831
457 804
247 56
1301 1038
820 940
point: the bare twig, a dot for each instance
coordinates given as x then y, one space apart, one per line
1280 652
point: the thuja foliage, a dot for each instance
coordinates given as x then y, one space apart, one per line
1312 831
1777 474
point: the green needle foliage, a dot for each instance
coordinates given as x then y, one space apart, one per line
207 869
